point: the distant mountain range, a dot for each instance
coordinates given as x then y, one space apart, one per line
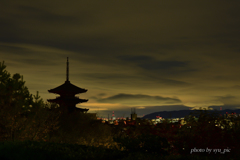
183 113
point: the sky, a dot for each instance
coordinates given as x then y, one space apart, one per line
148 55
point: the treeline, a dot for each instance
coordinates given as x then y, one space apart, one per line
23 116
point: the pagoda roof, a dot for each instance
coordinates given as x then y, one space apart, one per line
75 100
67 87
81 109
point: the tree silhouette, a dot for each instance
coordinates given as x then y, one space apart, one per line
15 101
22 115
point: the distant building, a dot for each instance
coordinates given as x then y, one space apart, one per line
67 99
133 114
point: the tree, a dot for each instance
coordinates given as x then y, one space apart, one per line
15 101
22 115
42 121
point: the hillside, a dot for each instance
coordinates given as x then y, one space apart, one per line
182 113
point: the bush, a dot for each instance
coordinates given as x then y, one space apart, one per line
204 134
144 143
28 150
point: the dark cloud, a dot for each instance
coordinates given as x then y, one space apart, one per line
236 87
173 83
139 99
149 63
138 59
9 31
228 99
131 81
98 95
14 50
107 76
185 49
93 97
161 67
39 62
151 109
43 15
101 94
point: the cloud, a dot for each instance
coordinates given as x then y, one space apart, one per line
44 15
237 87
150 109
93 97
172 82
138 59
40 62
228 99
102 94
108 76
149 63
139 99
161 67
98 95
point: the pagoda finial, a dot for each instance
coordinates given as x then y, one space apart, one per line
67 69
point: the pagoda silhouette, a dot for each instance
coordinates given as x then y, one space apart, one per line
67 99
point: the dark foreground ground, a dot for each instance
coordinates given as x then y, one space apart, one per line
29 150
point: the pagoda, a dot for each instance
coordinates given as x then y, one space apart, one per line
67 99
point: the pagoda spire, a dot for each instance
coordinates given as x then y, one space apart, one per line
67 70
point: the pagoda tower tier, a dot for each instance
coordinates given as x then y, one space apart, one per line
67 98
73 100
67 88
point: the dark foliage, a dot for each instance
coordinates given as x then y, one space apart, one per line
144 143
